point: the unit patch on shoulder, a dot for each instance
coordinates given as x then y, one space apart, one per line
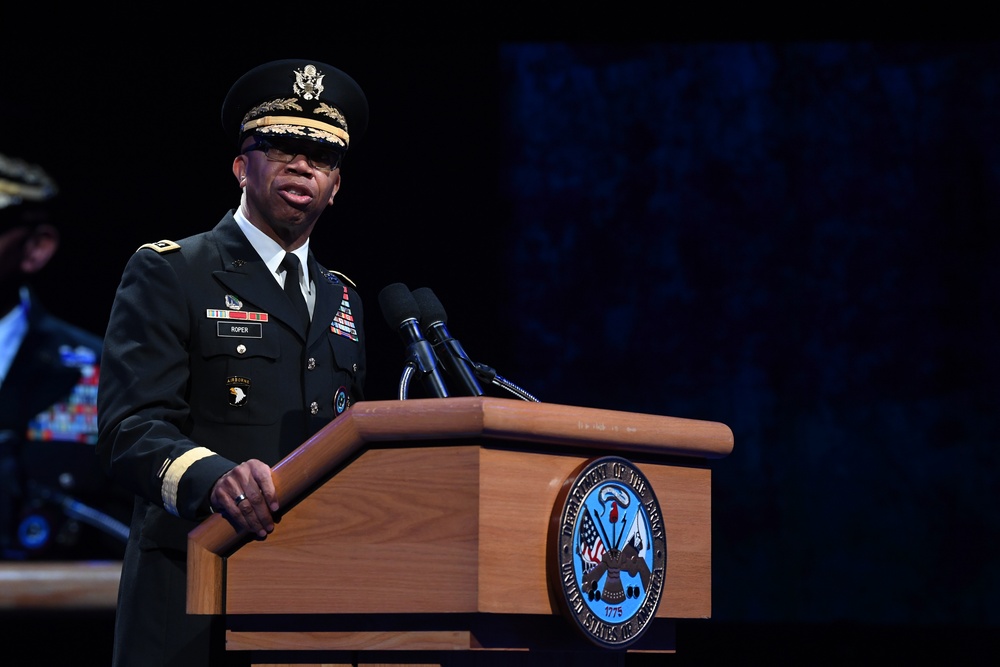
161 246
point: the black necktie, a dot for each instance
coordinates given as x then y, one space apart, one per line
291 265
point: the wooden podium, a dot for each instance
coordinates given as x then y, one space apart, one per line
417 532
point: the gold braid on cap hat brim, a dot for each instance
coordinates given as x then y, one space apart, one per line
26 191
264 121
12 194
21 182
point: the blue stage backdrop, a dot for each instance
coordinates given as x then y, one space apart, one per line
798 240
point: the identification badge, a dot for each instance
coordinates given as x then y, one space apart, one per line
230 329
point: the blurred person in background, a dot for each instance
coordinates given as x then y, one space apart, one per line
55 502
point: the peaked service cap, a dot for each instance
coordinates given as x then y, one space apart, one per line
300 99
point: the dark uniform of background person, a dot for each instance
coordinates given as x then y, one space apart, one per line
211 374
55 501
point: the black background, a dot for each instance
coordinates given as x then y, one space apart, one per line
797 239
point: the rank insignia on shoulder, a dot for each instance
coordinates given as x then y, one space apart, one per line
335 277
161 246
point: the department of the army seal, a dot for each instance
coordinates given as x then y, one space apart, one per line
608 551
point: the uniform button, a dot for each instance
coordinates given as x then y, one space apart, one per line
314 408
241 348
311 364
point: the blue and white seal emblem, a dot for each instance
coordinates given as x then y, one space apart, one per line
610 551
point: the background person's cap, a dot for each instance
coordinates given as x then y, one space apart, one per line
23 183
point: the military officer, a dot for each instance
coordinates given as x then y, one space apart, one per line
228 349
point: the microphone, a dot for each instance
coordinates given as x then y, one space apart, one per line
401 312
448 350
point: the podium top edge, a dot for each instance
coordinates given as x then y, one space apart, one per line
504 418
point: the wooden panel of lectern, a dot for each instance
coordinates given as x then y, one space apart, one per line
419 532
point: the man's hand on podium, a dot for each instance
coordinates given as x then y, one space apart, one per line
245 496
